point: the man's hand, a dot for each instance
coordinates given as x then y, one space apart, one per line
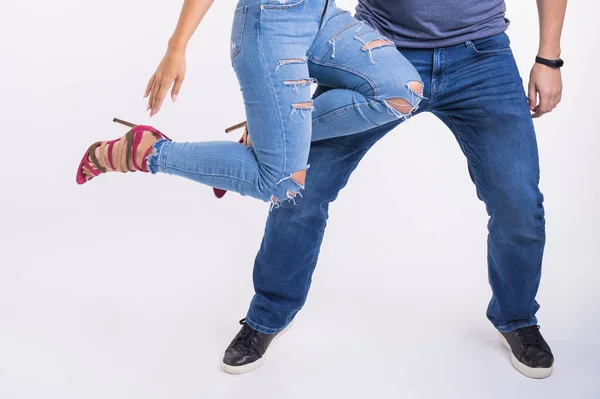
545 89
170 72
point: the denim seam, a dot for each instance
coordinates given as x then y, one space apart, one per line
282 7
458 132
343 29
434 73
332 17
322 234
500 51
463 144
340 111
167 168
358 73
313 263
162 157
271 82
244 12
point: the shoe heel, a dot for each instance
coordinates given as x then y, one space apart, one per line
125 123
235 127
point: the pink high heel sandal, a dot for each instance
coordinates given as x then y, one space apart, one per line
132 141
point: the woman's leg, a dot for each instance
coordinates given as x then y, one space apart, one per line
364 81
352 63
268 49
269 46
269 43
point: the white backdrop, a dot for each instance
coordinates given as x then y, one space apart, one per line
131 286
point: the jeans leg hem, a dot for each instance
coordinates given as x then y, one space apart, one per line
156 160
517 324
263 329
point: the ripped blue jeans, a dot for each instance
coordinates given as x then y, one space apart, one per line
278 49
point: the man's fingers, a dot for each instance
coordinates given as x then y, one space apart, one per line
532 97
176 87
546 104
149 86
557 98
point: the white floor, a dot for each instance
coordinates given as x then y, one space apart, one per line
103 311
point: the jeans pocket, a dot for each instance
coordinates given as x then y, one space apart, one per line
281 4
497 44
237 30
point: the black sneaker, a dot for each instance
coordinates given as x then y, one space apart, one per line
246 351
530 354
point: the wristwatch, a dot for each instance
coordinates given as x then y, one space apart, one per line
551 63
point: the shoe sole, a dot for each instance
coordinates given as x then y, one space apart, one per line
531 372
246 368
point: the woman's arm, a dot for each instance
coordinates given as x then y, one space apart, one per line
171 70
546 81
192 12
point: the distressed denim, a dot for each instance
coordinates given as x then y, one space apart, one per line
476 90
278 48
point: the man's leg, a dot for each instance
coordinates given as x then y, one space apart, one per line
288 254
481 99
356 94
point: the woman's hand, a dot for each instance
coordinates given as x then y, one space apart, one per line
170 72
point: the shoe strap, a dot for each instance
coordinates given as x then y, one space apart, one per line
111 144
98 169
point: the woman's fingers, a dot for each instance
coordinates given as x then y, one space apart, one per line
159 96
152 93
176 88
149 86
155 92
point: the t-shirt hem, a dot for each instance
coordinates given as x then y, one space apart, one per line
447 42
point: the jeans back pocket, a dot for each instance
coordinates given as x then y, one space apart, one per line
237 30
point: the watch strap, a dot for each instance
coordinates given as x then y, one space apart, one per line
551 63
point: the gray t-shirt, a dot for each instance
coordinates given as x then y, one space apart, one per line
433 23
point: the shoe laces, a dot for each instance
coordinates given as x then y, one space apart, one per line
244 338
529 336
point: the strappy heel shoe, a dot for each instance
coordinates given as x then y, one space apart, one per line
245 139
123 159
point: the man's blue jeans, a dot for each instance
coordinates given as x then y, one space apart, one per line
476 90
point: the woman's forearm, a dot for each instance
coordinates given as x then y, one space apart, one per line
552 16
192 12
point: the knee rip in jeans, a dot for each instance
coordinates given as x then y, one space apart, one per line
299 83
374 44
300 107
403 108
299 179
